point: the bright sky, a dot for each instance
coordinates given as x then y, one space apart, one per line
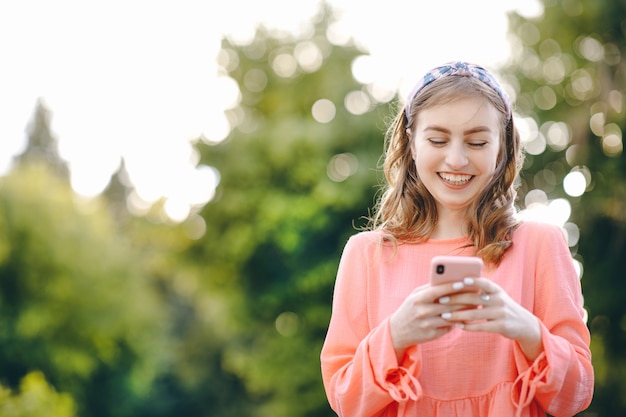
138 78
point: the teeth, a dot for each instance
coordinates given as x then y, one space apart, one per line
455 179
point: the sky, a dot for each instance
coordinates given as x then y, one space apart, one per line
139 79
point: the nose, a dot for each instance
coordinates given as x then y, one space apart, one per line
456 157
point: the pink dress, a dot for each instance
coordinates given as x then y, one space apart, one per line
462 373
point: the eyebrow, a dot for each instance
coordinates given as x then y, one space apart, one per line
477 129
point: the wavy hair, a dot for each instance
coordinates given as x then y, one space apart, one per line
406 211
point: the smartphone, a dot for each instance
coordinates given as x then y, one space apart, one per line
454 268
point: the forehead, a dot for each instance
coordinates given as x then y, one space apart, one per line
460 112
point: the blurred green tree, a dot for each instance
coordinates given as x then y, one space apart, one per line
569 75
42 144
117 193
36 398
75 302
297 172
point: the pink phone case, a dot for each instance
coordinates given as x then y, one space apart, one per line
454 268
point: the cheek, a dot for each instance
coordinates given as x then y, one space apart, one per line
422 167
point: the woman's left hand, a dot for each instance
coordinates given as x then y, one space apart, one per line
495 312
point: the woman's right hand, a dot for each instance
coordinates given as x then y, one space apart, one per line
418 319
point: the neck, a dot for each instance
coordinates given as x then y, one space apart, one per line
451 224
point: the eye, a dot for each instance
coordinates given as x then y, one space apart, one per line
437 141
477 144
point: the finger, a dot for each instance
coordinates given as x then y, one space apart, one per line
489 319
482 284
479 326
440 313
467 315
468 299
449 288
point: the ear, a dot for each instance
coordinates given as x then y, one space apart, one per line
411 143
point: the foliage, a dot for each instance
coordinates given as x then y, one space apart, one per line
569 71
42 144
74 302
36 398
276 230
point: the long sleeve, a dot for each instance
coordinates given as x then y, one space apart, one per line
360 371
561 379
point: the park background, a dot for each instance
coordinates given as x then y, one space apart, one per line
115 304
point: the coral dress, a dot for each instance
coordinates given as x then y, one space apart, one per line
462 373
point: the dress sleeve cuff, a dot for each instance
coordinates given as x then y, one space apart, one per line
398 379
536 375
525 386
402 385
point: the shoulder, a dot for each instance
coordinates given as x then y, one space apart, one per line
368 244
358 252
533 230
544 239
365 239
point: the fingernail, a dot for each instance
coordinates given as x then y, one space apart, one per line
458 285
485 297
469 281
444 300
446 315
460 325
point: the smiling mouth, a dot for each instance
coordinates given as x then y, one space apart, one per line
455 179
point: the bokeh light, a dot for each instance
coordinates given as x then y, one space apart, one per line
323 110
255 80
287 323
582 85
572 233
535 196
612 144
545 98
556 212
557 134
357 102
554 70
616 100
590 48
574 184
363 69
194 226
309 56
284 65
342 166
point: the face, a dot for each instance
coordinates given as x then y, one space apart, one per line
455 147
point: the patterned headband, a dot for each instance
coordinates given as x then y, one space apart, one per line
462 69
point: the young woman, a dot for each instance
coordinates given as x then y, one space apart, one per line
512 342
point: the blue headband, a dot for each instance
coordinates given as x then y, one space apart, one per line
462 69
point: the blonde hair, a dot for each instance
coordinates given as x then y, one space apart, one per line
407 212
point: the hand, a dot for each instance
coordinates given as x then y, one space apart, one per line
419 318
496 312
